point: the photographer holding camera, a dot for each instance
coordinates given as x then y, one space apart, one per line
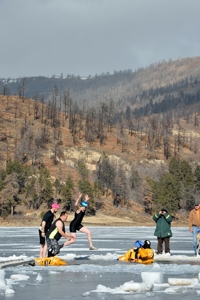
163 230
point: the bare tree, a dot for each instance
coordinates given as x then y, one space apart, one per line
90 126
111 113
36 108
42 108
22 89
166 142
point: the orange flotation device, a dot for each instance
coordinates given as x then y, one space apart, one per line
128 256
50 261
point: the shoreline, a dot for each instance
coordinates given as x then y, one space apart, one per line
32 219
105 221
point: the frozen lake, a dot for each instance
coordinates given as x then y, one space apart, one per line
97 274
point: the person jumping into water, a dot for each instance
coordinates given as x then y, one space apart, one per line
78 217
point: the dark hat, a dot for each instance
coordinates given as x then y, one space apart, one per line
147 244
164 209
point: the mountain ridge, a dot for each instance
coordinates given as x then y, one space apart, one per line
125 88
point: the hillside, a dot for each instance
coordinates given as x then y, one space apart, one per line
20 137
60 134
133 89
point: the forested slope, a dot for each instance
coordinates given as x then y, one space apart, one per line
131 154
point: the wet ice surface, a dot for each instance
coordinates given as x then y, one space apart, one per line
97 274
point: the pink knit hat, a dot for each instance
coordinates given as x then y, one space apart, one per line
55 205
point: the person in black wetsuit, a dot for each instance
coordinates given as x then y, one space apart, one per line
56 231
78 217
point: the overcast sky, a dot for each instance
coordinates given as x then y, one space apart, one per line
88 37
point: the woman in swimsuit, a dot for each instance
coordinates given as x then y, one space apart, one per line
78 217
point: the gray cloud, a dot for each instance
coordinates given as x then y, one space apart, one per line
82 37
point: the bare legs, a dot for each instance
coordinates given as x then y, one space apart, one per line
71 241
89 235
43 250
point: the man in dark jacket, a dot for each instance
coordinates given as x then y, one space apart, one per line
163 230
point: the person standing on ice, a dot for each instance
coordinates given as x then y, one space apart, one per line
45 226
78 217
163 230
194 224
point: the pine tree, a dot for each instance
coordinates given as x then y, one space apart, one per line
174 167
166 193
187 184
44 187
83 169
58 187
66 193
197 178
106 173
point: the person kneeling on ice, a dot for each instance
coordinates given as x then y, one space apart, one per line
56 231
145 253
131 254
140 253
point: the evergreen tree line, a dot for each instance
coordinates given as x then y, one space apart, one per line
170 102
177 189
21 184
193 83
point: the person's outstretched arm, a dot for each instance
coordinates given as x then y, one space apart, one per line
78 199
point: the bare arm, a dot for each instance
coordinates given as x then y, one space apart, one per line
78 199
86 198
43 227
59 225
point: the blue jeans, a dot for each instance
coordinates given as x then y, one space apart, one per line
194 233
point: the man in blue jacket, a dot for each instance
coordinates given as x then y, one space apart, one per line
163 230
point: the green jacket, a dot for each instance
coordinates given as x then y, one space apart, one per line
163 225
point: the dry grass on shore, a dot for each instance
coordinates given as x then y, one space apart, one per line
100 219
